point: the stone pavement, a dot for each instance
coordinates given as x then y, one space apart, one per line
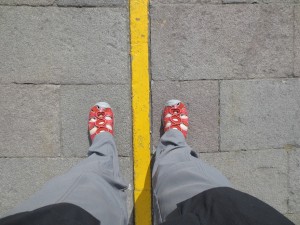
56 61
236 66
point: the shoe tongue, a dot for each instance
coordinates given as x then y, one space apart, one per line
175 111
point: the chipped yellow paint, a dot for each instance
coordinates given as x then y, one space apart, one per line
141 110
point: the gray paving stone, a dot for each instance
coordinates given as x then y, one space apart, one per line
29 120
27 2
191 42
76 101
201 98
294 181
263 174
91 2
64 45
297 41
260 114
257 1
21 177
294 217
153 2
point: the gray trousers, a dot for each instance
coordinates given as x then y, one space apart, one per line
178 174
96 186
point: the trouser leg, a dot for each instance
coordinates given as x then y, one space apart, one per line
178 175
94 184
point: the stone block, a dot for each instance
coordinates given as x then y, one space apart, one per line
256 1
22 177
192 42
76 101
297 41
260 114
294 181
30 123
153 2
201 98
294 217
27 2
262 173
84 3
64 45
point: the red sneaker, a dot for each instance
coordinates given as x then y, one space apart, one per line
175 116
101 119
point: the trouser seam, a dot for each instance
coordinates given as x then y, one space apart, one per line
158 207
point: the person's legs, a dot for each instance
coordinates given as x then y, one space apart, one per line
94 185
178 174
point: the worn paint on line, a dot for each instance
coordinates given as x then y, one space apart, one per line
141 110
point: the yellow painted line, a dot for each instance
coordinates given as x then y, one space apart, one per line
141 110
